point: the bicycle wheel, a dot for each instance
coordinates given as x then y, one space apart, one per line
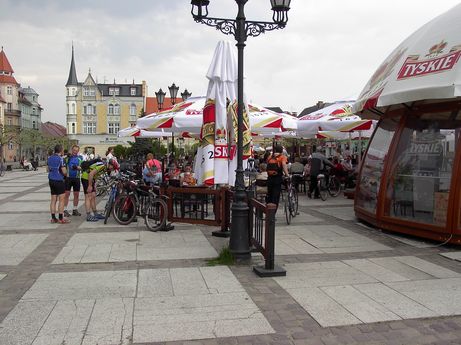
334 186
124 210
155 214
108 208
323 190
287 211
102 186
294 202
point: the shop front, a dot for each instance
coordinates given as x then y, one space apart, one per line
409 180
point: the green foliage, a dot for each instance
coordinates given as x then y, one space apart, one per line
225 258
139 148
120 151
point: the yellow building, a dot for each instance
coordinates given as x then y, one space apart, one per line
96 112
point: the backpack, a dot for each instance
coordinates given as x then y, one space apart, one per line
86 164
274 167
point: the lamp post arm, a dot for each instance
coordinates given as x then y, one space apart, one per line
229 26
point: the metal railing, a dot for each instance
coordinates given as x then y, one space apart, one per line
262 237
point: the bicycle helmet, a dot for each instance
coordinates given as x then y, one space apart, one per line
114 163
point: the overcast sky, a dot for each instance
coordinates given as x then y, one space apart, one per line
328 50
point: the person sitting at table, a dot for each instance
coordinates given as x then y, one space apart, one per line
152 171
187 178
173 172
261 180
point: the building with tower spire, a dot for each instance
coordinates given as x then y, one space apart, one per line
11 119
96 112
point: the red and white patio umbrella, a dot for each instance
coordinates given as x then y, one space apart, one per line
335 117
135 131
186 116
425 66
265 121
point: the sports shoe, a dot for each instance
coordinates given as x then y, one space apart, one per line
99 215
54 220
76 213
91 218
66 214
63 221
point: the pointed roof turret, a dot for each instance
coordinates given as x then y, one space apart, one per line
72 80
4 63
6 77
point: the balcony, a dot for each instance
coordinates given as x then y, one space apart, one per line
12 113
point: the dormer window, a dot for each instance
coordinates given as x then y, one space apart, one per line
114 91
87 91
133 91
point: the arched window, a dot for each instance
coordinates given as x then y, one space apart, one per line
133 109
90 109
73 128
73 108
111 109
116 109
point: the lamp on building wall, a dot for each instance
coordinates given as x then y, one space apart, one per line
185 95
240 28
160 95
173 92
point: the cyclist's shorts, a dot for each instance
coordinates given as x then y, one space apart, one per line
73 183
57 187
85 186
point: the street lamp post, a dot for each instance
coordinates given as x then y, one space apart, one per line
240 28
160 95
173 92
185 95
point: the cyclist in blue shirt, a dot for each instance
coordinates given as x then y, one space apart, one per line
56 172
73 163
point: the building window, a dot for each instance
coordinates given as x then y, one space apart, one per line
88 109
73 108
133 91
34 111
9 121
9 90
133 109
9 106
89 127
72 128
10 145
87 91
114 91
116 109
113 127
111 109
33 125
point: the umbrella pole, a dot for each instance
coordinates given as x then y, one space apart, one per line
172 145
360 148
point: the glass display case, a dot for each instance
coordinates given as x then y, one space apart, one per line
409 180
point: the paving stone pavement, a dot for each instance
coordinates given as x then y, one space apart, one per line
90 283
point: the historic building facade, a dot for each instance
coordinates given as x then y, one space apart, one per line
96 112
11 124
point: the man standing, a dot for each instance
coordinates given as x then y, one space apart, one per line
73 179
56 173
276 168
318 162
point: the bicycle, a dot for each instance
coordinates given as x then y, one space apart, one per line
2 169
103 184
140 201
322 186
116 184
334 185
291 202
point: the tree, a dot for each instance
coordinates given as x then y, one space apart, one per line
120 151
7 134
139 148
